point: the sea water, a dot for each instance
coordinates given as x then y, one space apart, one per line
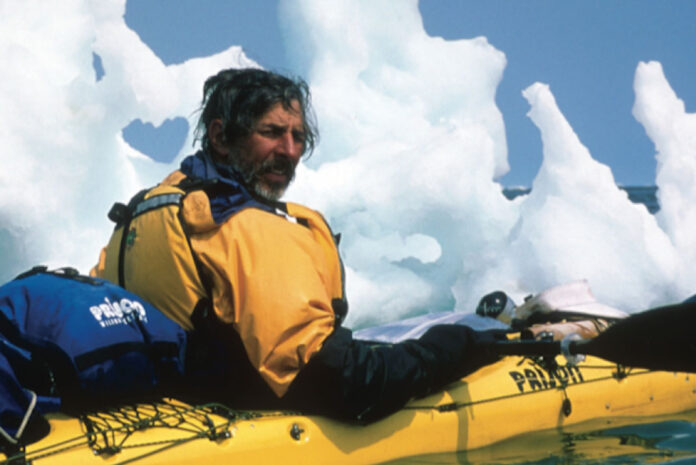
645 195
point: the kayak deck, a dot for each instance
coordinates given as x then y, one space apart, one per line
507 399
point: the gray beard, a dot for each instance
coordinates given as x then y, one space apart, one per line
251 174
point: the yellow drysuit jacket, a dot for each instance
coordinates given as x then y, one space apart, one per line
271 270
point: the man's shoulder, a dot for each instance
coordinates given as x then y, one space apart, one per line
302 211
174 178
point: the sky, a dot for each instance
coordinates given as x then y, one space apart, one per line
587 51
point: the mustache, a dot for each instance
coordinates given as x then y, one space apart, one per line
251 173
279 165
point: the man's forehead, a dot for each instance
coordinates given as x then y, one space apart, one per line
283 114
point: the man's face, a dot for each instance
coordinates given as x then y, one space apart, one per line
267 157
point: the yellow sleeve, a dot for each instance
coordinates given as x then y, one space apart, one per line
98 269
272 278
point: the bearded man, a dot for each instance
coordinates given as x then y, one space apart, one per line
259 283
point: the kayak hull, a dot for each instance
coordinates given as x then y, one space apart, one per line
501 401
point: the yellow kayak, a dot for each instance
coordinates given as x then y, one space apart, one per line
501 401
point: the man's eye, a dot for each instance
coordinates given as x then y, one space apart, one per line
299 137
271 132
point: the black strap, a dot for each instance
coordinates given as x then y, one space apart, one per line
64 272
281 209
155 351
35 270
191 183
340 309
123 218
122 214
119 213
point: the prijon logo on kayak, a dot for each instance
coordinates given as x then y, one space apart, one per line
536 379
118 312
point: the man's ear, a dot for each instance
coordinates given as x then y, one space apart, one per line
216 136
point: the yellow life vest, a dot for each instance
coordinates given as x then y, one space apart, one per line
150 240
157 243
191 248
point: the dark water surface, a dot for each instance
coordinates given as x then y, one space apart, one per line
646 195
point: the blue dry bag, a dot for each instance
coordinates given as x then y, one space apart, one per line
82 340
20 409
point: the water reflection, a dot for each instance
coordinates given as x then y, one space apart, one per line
671 440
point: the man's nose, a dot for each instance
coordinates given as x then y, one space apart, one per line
290 147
